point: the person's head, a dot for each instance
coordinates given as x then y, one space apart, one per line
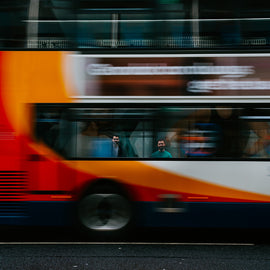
161 145
115 139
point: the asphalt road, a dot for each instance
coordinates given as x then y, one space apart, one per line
153 256
58 248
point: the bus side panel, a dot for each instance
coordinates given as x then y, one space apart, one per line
205 215
9 141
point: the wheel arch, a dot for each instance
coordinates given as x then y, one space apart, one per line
109 183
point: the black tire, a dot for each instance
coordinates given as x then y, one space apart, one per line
105 212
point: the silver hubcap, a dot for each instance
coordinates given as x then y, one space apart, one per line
107 212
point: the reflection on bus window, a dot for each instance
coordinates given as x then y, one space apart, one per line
218 132
160 24
200 141
13 14
89 142
52 128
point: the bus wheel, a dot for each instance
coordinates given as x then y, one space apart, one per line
104 213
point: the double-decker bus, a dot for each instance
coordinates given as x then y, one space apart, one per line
102 126
61 111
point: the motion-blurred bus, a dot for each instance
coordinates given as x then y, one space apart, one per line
61 113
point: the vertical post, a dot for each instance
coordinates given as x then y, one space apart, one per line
115 25
32 25
195 23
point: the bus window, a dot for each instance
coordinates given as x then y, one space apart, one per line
96 129
206 132
142 138
220 132
258 134
12 23
53 128
136 30
94 30
50 24
189 132
175 27
88 132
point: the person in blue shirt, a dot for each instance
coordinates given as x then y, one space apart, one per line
161 152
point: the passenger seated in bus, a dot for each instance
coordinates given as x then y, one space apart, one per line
116 147
161 152
121 147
